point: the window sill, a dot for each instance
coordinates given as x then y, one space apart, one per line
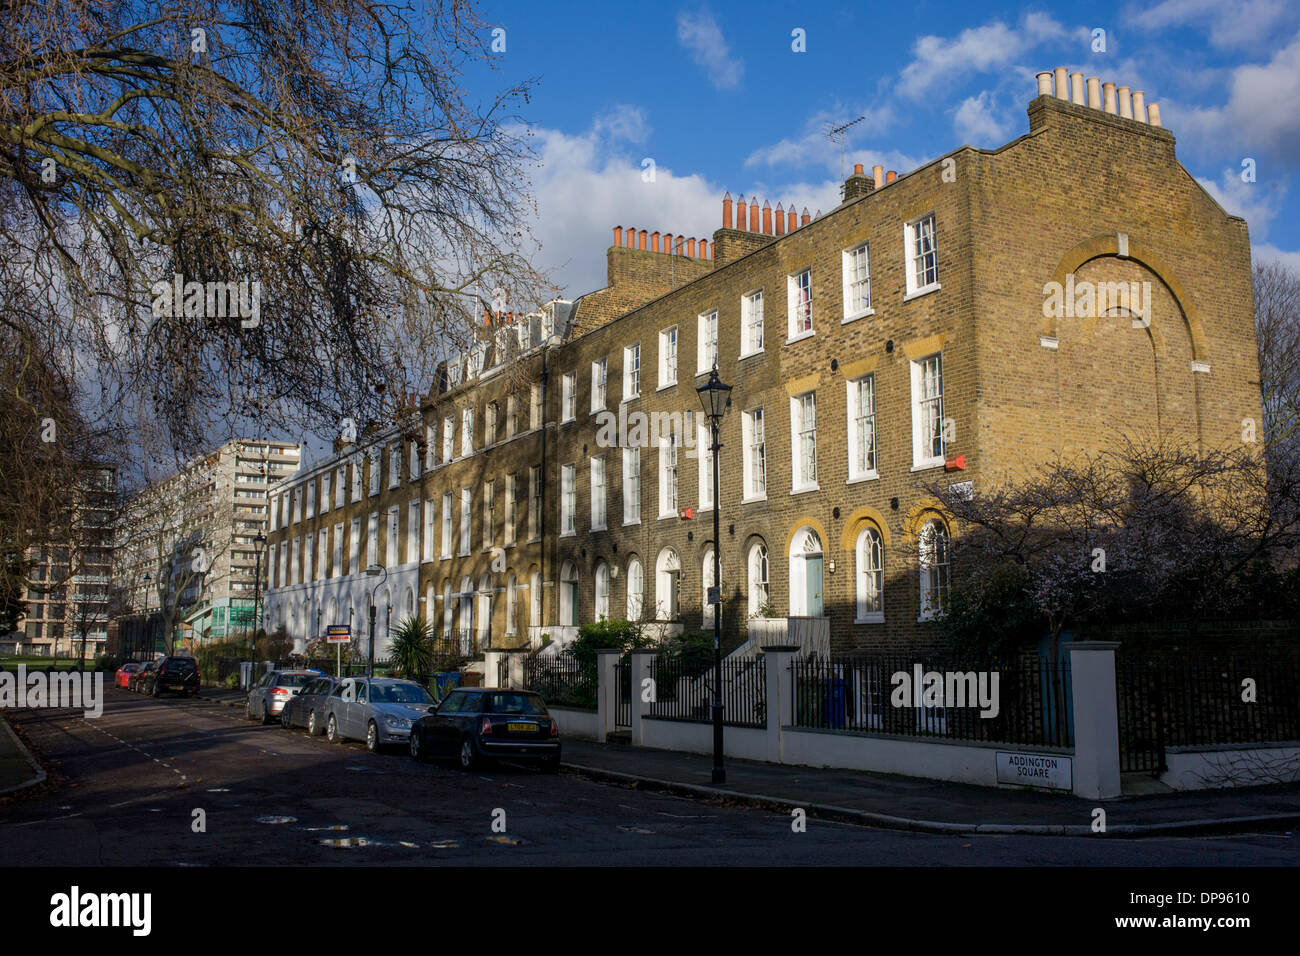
877 618
750 501
800 337
857 315
568 534
745 355
804 489
927 464
600 527
858 479
924 290
666 386
629 524
630 398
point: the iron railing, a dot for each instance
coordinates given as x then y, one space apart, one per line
562 681
1021 701
683 690
1203 701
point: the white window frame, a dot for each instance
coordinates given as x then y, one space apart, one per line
599 384
534 501
467 431
325 493
466 521
668 353
632 372
568 500
413 531
800 435
862 419
489 513
922 277
535 407
927 411
758 570
569 397
491 412
430 522
799 310
934 568
448 438
430 446
598 494
635 589
372 540
869 576
413 468
311 499
669 473
337 567
704 452
600 604
376 457
395 465
753 425
393 538
446 524
512 485
856 268
357 479
354 546
751 323
707 342
631 486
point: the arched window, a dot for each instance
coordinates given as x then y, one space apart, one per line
706 582
806 574
635 589
759 589
535 599
569 595
484 610
333 612
602 590
668 576
870 558
430 602
408 607
512 610
933 565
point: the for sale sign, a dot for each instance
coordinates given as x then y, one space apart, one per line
338 633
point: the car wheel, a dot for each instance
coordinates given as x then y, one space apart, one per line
313 729
155 692
248 709
284 718
468 758
372 737
332 730
266 714
416 753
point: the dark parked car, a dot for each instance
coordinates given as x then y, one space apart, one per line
307 707
173 675
476 722
134 681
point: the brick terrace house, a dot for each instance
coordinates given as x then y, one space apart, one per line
906 334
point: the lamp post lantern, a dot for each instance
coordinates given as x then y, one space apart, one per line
373 570
715 396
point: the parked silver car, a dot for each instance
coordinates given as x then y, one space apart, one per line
269 695
307 707
378 711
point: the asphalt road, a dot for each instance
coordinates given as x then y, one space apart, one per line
134 778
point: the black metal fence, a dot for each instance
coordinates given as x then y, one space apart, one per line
683 690
1022 701
1200 701
562 681
623 699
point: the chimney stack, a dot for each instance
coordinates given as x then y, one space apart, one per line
767 218
878 174
618 235
780 220
1076 88
890 176
1108 97
858 184
741 214
726 211
1125 103
791 219
1153 114
1062 84
1045 83
1094 92
654 241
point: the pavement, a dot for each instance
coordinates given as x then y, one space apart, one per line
917 804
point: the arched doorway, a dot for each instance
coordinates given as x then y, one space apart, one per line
806 557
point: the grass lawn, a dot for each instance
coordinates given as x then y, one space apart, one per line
14 768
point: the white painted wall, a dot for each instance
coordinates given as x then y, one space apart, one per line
1241 766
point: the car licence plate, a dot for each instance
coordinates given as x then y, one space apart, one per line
525 728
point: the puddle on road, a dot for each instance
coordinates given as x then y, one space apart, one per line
357 768
361 842
634 830
336 828
218 790
273 819
347 842
444 844
505 840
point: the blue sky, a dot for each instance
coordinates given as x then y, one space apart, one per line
716 97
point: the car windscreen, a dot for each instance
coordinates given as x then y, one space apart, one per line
179 665
401 694
508 703
293 680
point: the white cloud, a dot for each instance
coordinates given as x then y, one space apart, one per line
979 122
981 49
1265 252
623 122
700 34
1260 115
1241 23
1258 202
811 147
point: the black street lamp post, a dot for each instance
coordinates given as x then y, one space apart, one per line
373 570
715 396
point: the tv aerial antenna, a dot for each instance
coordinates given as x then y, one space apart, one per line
838 134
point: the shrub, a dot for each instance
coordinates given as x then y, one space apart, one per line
412 649
598 635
